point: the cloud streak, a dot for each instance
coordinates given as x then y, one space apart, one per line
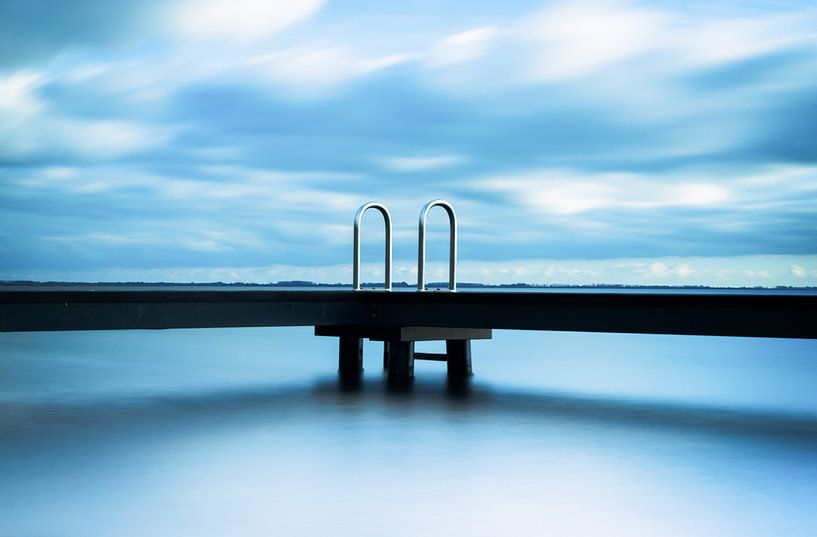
238 20
163 136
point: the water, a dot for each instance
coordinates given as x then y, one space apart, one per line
246 432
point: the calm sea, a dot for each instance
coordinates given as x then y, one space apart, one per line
245 432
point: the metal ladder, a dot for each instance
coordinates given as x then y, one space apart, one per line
356 257
398 341
421 246
452 247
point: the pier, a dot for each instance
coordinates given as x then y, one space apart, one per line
399 319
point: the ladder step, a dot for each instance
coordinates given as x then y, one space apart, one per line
434 356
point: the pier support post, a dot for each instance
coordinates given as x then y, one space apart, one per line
401 361
459 359
398 349
350 357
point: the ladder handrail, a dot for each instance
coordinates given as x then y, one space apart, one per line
356 255
421 248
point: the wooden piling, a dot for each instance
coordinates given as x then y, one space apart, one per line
459 358
350 357
401 362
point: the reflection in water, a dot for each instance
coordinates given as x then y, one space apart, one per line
154 440
21 421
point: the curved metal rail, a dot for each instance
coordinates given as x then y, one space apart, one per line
356 260
421 249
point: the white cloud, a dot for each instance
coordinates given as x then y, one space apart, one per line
462 47
720 41
683 270
253 190
738 271
642 45
17 94
745 271
578 38
105 139
92 139
239 20
420 164
567 193
317 68
30 127
799 271
658 269
87 72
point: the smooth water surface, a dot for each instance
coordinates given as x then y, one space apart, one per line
247 432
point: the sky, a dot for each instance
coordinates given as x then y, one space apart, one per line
665 142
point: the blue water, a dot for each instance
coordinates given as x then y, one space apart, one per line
246 432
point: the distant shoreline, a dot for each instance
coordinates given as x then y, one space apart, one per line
398 285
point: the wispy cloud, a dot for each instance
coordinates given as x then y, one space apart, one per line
462 47
568 192
155 135
237 20
418 164
564 193
316 70
577 38
31 128
763 271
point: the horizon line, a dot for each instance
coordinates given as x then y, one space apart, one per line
402 284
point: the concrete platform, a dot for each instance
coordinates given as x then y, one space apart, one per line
709 313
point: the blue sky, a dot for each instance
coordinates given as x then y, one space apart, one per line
580 142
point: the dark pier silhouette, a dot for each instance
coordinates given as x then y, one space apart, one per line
401 318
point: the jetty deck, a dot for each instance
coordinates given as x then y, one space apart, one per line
399 319
710 314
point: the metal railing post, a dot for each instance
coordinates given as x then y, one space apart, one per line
356 256
421 249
